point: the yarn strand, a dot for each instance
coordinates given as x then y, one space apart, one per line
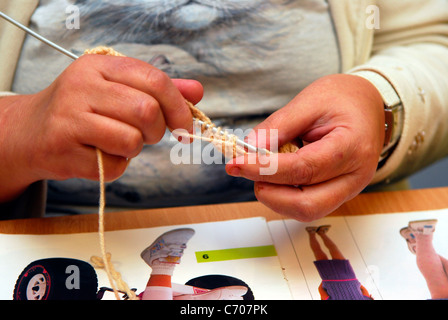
102 205
221 139
104 261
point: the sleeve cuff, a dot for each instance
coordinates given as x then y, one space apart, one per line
6 94
385 88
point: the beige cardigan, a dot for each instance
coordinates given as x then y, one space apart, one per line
409 50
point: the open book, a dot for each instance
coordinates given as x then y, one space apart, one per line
273 259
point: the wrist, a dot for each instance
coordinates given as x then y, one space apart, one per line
15 176
393 111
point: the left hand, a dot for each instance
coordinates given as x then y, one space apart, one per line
340 119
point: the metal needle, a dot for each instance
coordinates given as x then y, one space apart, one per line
74 57
38 36
240 142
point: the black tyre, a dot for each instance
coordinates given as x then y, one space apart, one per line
218 281
53 279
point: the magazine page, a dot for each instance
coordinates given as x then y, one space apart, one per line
309 246
274 260
400 273
380 250
241 251
289 261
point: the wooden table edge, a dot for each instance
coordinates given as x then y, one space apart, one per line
363 204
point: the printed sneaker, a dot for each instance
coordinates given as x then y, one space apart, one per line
406 233
223 293
323 229
423 226
311 229
169 247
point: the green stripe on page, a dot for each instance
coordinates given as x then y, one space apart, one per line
235 254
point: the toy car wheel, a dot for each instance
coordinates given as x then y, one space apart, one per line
50 279
37 287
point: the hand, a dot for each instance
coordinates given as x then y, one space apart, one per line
115 104
340 119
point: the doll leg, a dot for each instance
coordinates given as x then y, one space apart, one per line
445 264
334 250
163 255
314 244
408 235
431 266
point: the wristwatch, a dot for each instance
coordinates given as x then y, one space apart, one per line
393 126
393 111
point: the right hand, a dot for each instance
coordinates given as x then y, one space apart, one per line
115 104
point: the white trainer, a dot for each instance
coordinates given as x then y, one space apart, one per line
423 226
169 247
407 234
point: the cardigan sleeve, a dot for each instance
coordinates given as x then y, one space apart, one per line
30 204
410 52
11 37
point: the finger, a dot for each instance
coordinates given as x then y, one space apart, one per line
113 167
110 136
83 163
308 203
150 80
192 90
314 163
287 123
132 107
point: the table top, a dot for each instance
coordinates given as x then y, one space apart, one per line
363 204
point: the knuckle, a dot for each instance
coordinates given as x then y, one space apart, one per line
77 77
132 144
304 210
117 91
84 63
303 173
127 65
157 79
146 110
67 83
116 170
154 137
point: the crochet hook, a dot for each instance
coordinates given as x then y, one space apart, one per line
74 57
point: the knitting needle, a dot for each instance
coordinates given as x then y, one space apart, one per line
74 57
240 142
39 37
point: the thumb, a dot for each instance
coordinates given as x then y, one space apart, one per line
285 125
192 90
